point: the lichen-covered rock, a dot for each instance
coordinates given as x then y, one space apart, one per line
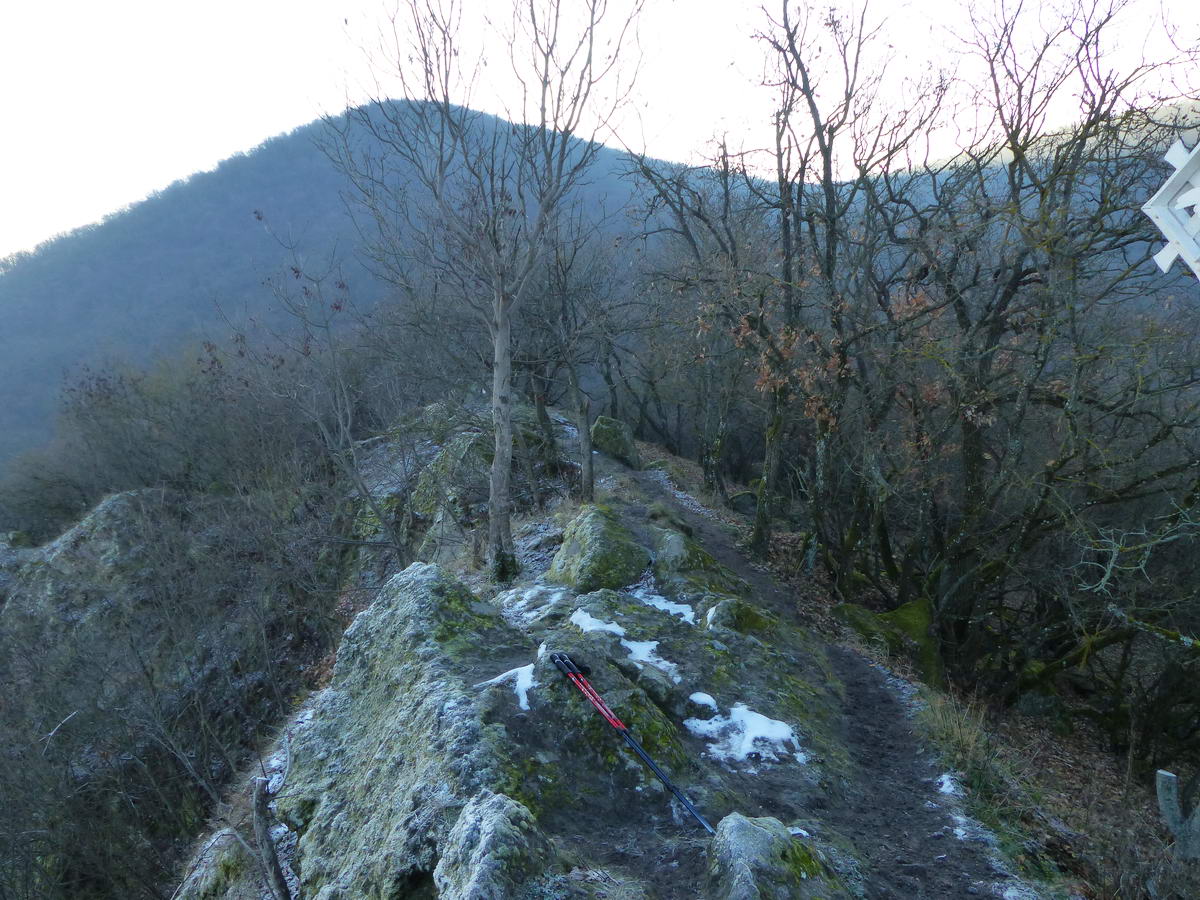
397 746
456 479
493 850
118 581
615 438
225 872
759 859
597 552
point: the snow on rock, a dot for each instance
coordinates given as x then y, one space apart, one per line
948 785
702 699
585 622
523 606
744 732
644 653
645 591
641 652
522 678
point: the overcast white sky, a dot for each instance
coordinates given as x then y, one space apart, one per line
105 102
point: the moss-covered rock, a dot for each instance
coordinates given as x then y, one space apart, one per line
905 631
759 859
615 438
18 540
597 552
494 850
225 872
397 747
682 566
456 478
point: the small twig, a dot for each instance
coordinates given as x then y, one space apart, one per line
55 731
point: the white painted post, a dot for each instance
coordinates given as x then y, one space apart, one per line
1175 209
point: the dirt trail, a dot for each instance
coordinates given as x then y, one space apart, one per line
902 827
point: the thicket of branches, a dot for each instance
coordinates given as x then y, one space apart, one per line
978 393
961 378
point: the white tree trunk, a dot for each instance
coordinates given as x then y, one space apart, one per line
500 543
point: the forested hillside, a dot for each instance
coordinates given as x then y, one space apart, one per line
173 268
145 278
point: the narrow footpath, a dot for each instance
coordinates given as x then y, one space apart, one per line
905 825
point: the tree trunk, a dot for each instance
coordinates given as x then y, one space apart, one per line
500 544
268 858
583 421
760 538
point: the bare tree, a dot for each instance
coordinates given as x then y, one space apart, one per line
471 198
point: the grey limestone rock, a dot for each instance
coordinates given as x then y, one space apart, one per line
759 859
397 747
597 552
492 851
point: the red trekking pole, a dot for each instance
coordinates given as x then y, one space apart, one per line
568 668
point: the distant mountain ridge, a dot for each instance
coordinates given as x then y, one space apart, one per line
146 280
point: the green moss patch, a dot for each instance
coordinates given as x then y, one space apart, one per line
616 439
906 631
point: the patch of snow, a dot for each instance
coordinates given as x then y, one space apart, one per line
947 785
960 827
1016 892
796 831
584 621
702 699
644 591
523 606
643 652
708 616
522 678
686 500
743 732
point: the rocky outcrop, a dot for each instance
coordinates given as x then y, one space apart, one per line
494 849
615 438
598 552
397 779
448 755
110 611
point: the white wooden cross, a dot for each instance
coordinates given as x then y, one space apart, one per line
1175 209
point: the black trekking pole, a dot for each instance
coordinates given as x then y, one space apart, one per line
568 668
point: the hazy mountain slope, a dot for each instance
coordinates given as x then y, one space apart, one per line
145 280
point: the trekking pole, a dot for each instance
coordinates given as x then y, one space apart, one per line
575 676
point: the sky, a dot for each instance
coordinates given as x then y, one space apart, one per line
105 103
